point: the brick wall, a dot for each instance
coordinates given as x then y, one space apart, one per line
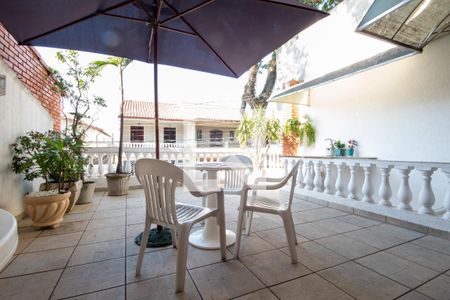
33 72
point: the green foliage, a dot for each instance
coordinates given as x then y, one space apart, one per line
269 129
296 130
51 156
325 5
339 145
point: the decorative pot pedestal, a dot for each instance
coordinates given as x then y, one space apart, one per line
46 210
118 184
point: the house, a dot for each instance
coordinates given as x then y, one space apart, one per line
94 136
181 124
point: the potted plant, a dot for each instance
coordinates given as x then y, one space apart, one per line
297 132
339 148
330 147
75 88
351 146
48 156
118 183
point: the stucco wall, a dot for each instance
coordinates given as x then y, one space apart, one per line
20 112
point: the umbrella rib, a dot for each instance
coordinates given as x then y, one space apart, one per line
192 9
298 6
124 18
26 41
154 27
177 30
200 37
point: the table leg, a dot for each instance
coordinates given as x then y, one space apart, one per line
208 237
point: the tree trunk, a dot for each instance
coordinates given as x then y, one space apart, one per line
249 97
119 159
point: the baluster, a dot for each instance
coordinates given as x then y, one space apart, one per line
292 164
385 191
286 166
404 194
110 163
340 180
367 188
309 179
328 182
128 168
426 195
446 215
352 186
91 166
101 170
318 185
300 175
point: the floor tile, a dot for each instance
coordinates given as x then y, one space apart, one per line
301 205
316 257
273 267
77 217
64 228
162 288
23 243
398 269
263 294
109 213
251 245
359 221
117 293
154 264
324 228
102 235
413 295
434 243
91 277
438 288
198 257
277 237
310 287
28 232
362 283
53 242
375 238
317 214
225 280
133 249
33 262
106 222
97 252
422 256
261 222
135 219
346 246
35 286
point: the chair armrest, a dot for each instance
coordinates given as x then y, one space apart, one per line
198 193
261 187
267 179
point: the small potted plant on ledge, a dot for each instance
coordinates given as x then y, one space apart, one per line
351 146
47 156
339 148
330 147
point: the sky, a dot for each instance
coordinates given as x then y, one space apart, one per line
175 85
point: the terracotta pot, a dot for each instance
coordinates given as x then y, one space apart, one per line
87 192
289 146
73 187
48 210
118 184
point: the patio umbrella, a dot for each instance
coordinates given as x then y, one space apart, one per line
224 37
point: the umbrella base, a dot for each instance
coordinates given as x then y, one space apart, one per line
156 238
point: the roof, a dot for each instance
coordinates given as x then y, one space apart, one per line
183 111
92 127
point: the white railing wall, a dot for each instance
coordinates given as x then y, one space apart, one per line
420 187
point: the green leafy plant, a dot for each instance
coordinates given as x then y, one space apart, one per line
295 130
49 155
339 145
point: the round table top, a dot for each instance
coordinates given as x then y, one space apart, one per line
214 166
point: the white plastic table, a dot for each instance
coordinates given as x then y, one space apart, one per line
208 237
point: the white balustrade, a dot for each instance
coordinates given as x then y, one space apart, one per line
318 185
367 188
446 215
300 175
101 170
385 190
309 177
404 194
426 195
340 180
328 182
352 186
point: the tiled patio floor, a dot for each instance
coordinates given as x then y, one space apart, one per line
342 256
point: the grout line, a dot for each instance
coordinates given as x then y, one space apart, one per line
193 282
84 294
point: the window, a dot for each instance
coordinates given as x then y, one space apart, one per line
232 137
170 135
199 135
137 134
216 138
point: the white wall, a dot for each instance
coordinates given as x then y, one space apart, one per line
20 112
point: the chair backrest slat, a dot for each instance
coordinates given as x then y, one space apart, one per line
235 179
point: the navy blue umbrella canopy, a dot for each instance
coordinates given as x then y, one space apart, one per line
224 37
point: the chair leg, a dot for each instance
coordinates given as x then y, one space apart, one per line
292 222
174 237
239 232
248 226
183 238
222 228
142 247
290 234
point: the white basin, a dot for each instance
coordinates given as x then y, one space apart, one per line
8 237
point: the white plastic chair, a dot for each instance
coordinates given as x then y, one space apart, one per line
159 180
263 204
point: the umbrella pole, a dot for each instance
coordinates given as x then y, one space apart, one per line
159 236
